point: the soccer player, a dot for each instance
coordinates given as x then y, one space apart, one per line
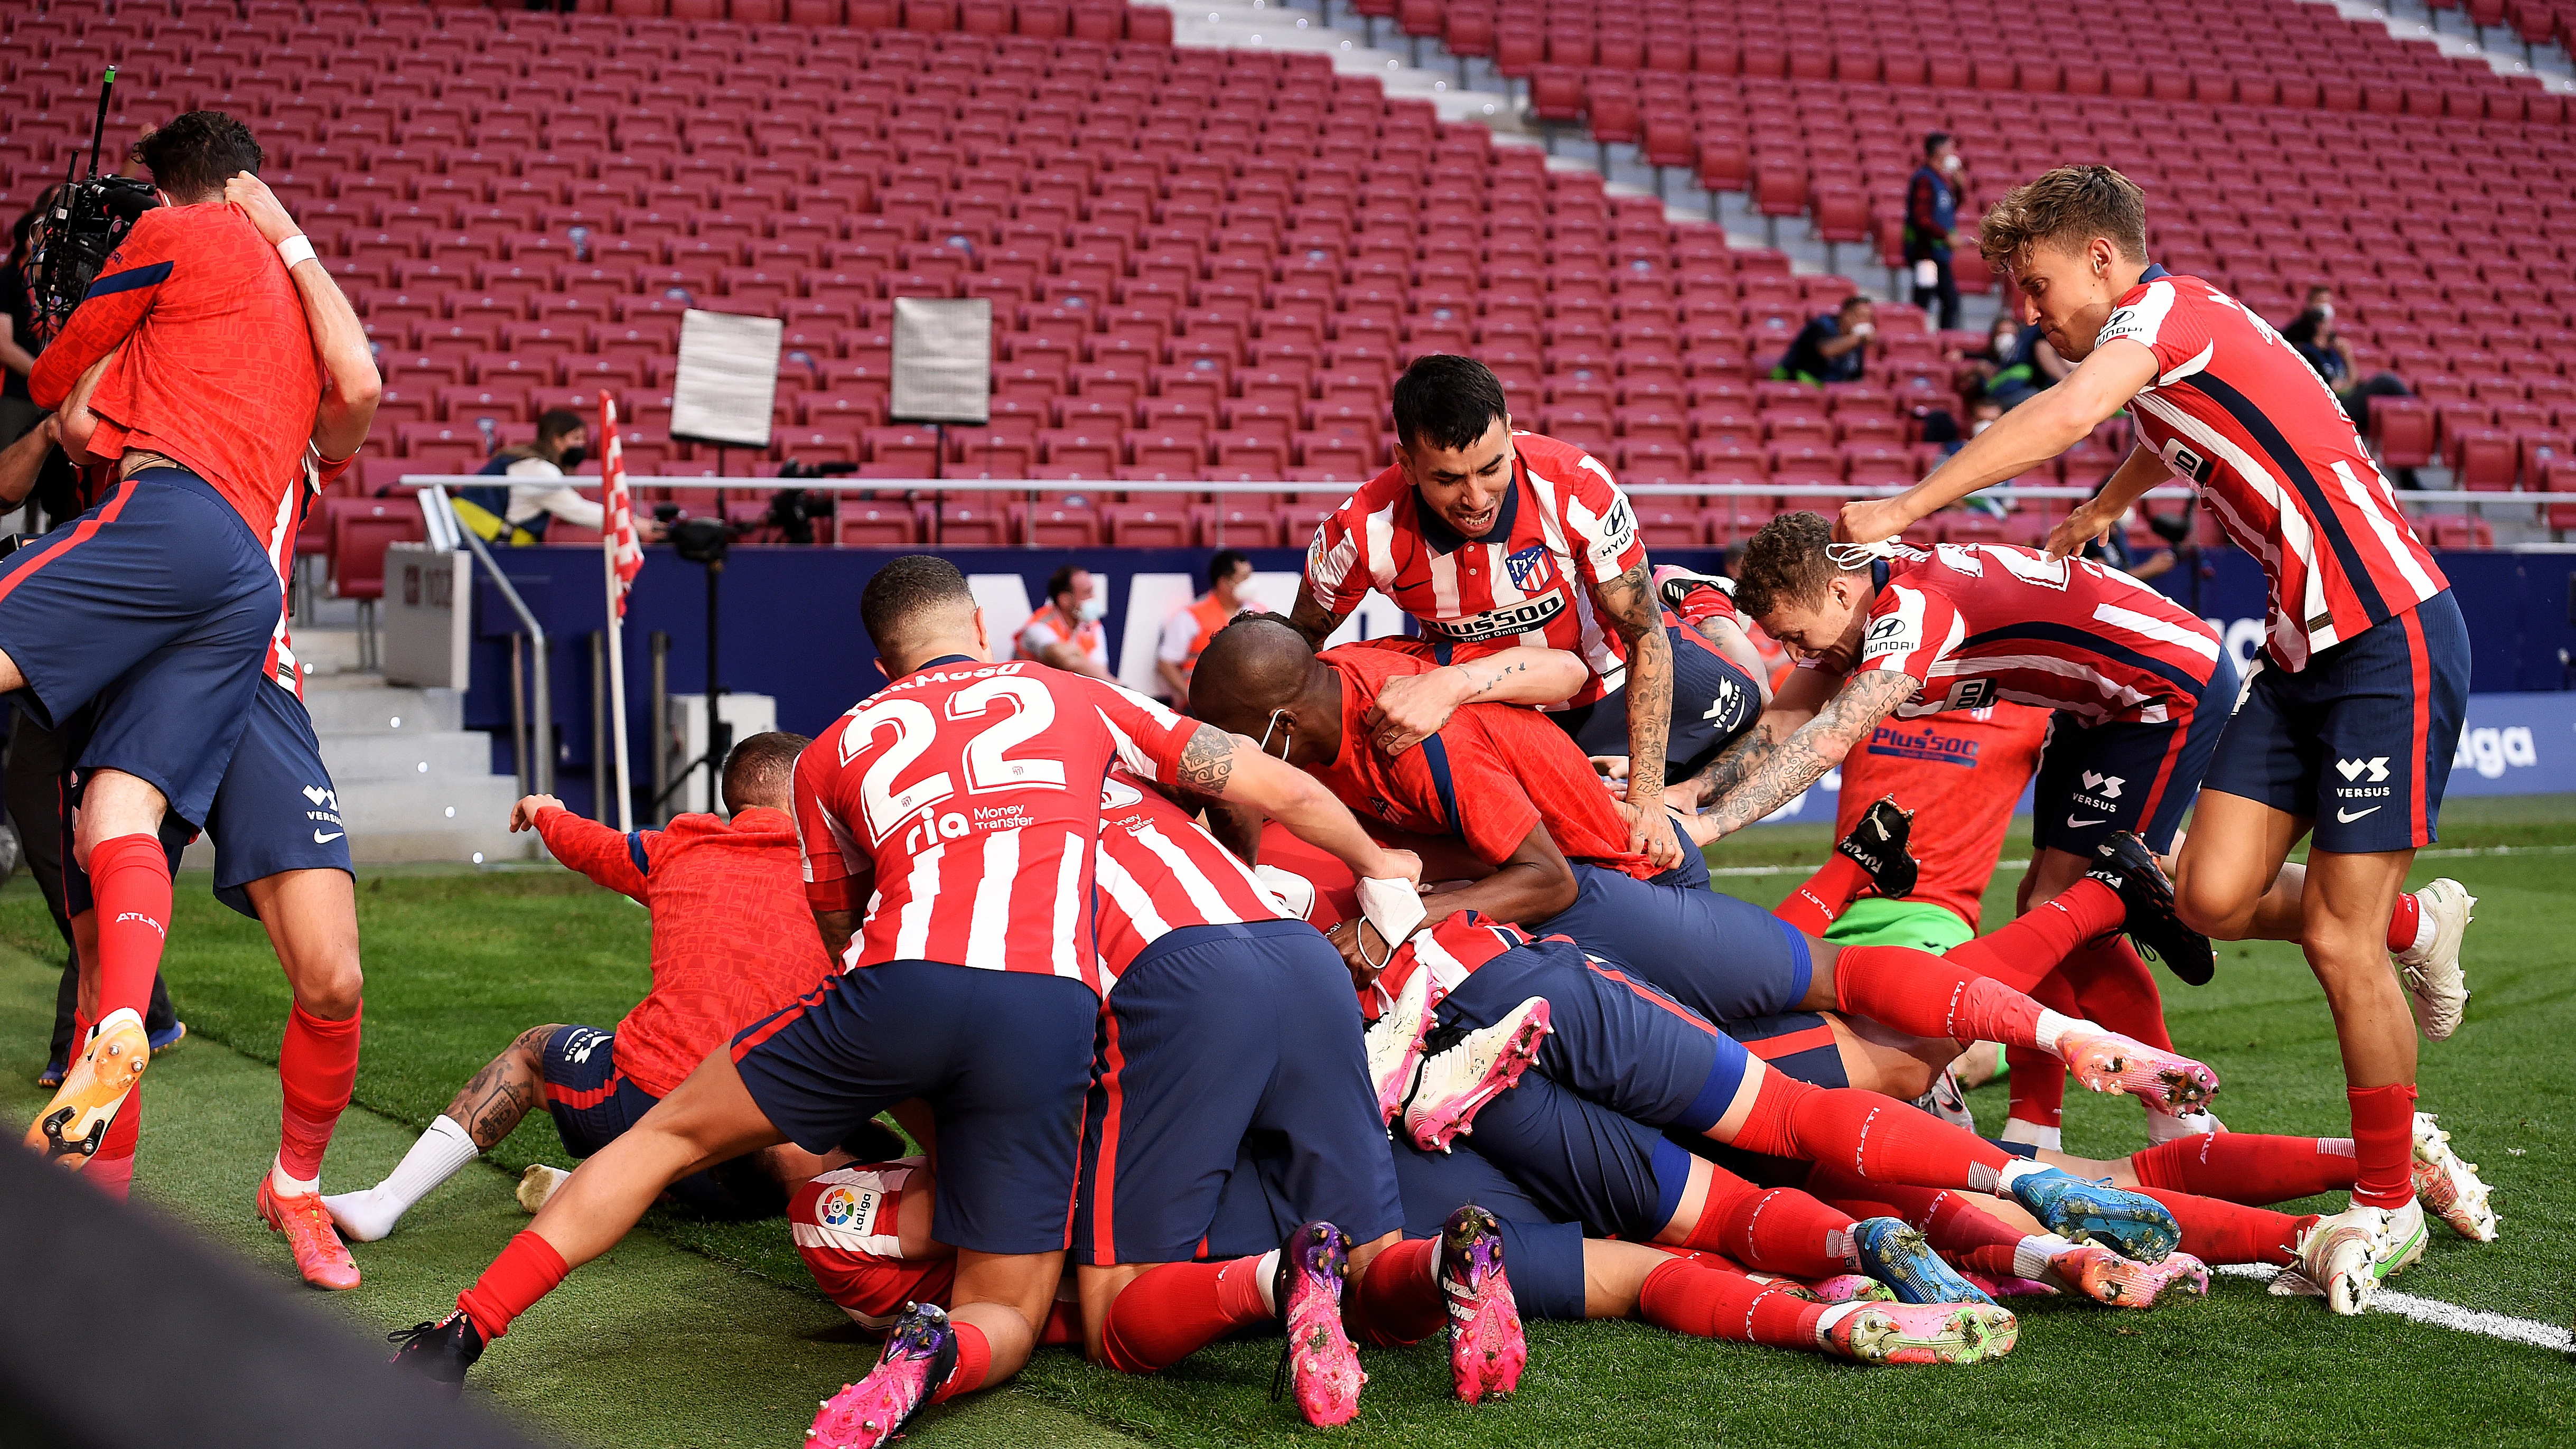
949 826
2140 686
2346 729
161 601
1522 806
1065 634
717 885
1486 535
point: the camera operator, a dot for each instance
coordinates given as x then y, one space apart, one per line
160 602
520 511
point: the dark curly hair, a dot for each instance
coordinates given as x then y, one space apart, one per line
193 156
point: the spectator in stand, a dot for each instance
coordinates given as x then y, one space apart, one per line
2315 338
1932 199
1066 633
1833 346
2030 367
2117 549
520 511
1187 632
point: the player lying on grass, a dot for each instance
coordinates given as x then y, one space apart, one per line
2345 732
718 886
979 920
281 854
1519 799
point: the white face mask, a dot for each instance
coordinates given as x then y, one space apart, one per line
2326 310
1094 609
1979 426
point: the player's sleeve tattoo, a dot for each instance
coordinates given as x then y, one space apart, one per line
1768 777
1310 618
1207 761
1629 600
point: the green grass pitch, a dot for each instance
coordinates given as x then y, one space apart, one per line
696 1334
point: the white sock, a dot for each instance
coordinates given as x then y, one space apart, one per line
1831 1316
2051 1026
2425 929
1839 1243
2014 1171
285 1184
2031 1255
1268 1281
2032 1134
369 1215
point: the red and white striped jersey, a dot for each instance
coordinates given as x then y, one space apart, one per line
969 795
1160 872
280 666
1564 529
1976 624
2237 412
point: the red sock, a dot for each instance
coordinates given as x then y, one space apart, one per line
129 877
974 1361
2383 1141
527 1270
2114 988
1934 996
1779 1231
111 1169
2247 1167
2038 1087
1958 1229
1696 1297
315 1070
1874 1137
2405 922
2021 953
2224 1232
1175 1310
1813 906
1397 1301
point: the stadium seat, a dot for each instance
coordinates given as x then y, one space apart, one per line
863 523
1168 523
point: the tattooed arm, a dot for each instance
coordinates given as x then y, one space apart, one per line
1628 602
1412 706
1772 777
1225 768
1311 618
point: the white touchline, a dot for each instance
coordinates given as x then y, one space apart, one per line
2464 853
2440 1314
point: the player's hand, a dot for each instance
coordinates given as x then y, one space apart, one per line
262 207
1353 938
2088 522
1613 771
1650 833
1410 709
1401 865
523 816
1867 520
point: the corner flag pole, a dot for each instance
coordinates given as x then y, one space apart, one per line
615 540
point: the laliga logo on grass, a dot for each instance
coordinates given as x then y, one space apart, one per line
2490 750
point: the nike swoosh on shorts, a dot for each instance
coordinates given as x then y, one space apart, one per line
2346 817
321 839
2074 824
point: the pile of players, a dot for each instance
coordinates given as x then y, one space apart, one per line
1356 1004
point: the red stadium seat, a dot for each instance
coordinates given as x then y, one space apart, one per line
1168 523
865 523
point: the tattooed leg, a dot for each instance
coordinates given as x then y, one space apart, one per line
506 1090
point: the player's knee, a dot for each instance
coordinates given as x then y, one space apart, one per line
332 989
2213 905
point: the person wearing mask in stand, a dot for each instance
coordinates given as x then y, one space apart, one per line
1833 346
2315 338
1932 198
1187 632
520 511
1066 633
2026 369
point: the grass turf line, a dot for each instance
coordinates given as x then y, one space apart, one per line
459 963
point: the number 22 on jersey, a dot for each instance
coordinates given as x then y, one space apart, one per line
983 756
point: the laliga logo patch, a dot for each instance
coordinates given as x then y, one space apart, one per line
1532 569
838 1207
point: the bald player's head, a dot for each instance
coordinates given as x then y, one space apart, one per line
1260 678
918 608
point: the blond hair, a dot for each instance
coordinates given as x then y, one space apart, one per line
2069 206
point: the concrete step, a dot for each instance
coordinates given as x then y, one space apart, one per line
406 754
364 704
326 651
458 818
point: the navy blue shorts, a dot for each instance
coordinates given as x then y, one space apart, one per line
1582 1162
1213 1033
158 604
2095 780
1002 1057
1713 702
1720 956
1544 1258
2360 741
1612 1038
275 810
1795 1044
593 1103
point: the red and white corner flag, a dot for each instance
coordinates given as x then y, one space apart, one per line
625 554
623 559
